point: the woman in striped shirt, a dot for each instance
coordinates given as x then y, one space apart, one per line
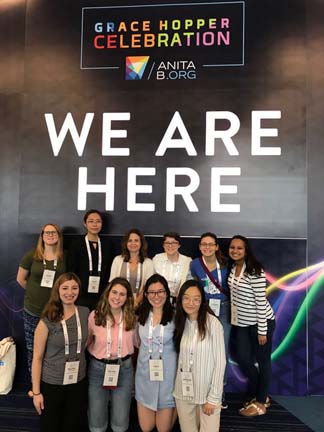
254 320
199 340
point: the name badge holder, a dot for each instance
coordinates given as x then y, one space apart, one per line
138 276
186 376
112 370
94 281
155 365
173 276
48 275
71 369
215 306
234 283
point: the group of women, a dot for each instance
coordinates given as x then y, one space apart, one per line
169 317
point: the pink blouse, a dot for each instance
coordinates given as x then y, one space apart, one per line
98 340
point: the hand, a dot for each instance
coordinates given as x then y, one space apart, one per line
262 339
38 403
208 408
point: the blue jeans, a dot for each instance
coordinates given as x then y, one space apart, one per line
224 318
250 351
119 398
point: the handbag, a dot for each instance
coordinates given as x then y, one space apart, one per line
7 364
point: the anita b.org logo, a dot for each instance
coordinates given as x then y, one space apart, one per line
135 67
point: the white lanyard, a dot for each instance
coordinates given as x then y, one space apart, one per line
173 276
120 337
54 266
191 344
234 282
150 337
66 336
219 273
90 256
138 275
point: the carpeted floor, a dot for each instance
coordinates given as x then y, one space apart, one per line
17 414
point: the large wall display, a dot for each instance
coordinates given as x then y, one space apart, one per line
170 115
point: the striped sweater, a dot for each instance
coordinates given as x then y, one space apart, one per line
248 295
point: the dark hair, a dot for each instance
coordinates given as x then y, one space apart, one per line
144 308
103 309
53 309
89 212
253 266
219 256
143 250
172 234
181 316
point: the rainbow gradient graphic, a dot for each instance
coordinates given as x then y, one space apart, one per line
135 67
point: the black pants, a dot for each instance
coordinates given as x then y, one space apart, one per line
248 352
63 406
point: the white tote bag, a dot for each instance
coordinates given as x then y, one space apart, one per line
7 364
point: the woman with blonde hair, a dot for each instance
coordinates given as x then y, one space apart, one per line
37 272
111 334
59 386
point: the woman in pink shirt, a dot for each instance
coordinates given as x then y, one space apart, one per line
111 332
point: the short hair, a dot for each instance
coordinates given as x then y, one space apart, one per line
89 212
172 234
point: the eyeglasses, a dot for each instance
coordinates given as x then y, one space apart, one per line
207 244
194 300
171 243
50 233
153 294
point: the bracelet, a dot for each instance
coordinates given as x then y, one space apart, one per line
36 394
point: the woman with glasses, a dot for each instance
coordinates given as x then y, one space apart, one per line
254 323
90 258
199 341
133 263
37 272
111 335
157 359
211 270
171 264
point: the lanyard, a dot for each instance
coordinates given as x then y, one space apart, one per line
138 275
90 256
150 337
234 282
54 266
219 273
173 274
190 344
66 335
120 337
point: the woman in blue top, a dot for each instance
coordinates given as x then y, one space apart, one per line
211 270
157 359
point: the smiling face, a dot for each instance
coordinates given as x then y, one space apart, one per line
50 235
171 246
117 297
134 243
68 292
156 295
191 301
93 224
208 246
236 251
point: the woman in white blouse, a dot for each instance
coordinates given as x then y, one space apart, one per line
254 322
199 340
133 263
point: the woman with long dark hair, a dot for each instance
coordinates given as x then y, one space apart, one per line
199 340
254 322
133 263
37 272
111 335
212 271
59 367
156 364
